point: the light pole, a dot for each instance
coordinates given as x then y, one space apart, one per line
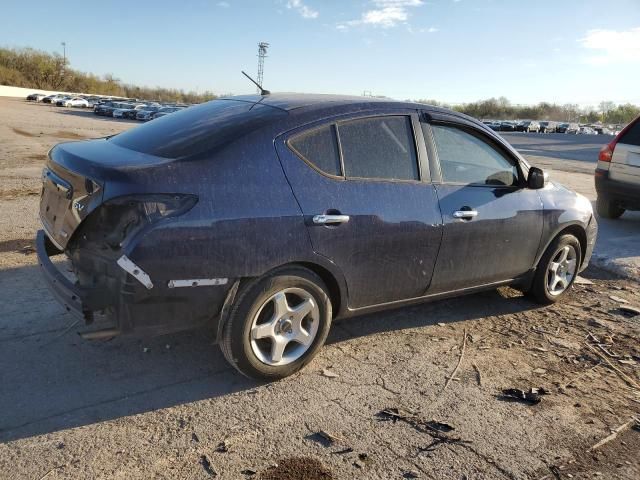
64 51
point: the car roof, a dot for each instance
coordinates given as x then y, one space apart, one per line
311 101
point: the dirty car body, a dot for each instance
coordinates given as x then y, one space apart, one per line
163 223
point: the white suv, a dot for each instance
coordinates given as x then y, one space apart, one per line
618 173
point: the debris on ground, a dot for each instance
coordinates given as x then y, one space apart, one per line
582 281
297 468
344 451
325 438
629 311
248 472
437 430
329 373
478 374
455 370
618 299
530 397
631 382
410 474
206 464
223 447
27 250
634 422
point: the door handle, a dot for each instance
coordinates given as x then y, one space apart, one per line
330 219
465 214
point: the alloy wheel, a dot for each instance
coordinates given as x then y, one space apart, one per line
562 269
284 327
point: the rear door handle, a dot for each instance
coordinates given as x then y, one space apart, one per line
330 219
465 214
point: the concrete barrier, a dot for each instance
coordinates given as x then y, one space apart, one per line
19 92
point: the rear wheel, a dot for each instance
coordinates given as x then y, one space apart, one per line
277 324
607 208
556 270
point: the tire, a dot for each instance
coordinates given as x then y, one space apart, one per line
606 208
257 300
540 289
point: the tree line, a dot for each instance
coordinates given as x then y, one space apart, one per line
30 68
501 109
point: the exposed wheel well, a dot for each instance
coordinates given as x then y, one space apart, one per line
331 283
578 232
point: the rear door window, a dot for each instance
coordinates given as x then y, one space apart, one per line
379 148
467 159
632 136
319 147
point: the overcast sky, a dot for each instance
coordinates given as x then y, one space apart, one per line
566 51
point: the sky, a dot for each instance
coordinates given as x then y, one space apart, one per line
455 51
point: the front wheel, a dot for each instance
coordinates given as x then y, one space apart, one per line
277 324
608 209
557 270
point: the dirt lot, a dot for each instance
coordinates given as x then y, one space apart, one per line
374 404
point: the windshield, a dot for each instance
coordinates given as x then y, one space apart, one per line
197 129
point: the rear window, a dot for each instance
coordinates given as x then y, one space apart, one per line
320 148
197 129
379 147
632 136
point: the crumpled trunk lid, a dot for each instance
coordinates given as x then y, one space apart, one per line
75 179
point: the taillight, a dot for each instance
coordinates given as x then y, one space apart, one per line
121 218
606 152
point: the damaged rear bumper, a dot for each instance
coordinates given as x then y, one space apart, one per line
119 298
64 290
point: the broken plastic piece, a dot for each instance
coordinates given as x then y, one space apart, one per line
532 397
128 266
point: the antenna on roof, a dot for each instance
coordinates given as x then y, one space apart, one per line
262 90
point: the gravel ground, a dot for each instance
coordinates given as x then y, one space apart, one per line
374 404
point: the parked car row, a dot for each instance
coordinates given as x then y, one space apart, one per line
548 126
62 100
142 111
110 107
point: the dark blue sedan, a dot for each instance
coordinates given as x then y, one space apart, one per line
267 217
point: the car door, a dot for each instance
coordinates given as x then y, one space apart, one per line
363 187
492 223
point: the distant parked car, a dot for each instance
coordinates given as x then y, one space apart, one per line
528 126
106 108
36 97
145 113
618 173
61 101
586 131
76 102
131 112
507 126
165 111
52 98
93 101
571 128
118 112
548 127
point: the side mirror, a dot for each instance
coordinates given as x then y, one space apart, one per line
537 178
